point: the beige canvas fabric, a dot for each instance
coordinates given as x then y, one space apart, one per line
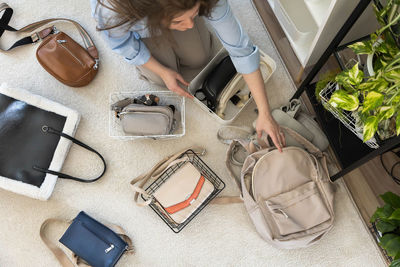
288 195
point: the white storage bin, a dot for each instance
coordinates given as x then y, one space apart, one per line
166 98
267 66
295 19
319 9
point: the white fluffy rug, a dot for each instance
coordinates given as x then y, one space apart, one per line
218 236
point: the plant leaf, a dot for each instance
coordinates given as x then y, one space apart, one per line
385 112
394 74
392 199
343 80
395 263
370 127
382 213
379 15
367 86
379 85
391 244
355 75
382 48
395 215
385 227
396 100
360 48
344 100
372 101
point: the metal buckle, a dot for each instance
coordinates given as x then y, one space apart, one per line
35 37
55 31
96 64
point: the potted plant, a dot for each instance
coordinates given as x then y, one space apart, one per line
387 222
373 97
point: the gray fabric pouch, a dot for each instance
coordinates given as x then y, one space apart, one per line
142 120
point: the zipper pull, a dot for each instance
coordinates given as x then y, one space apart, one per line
61 41
109 249
286 216
96 64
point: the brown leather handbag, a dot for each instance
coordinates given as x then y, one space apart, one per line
58 53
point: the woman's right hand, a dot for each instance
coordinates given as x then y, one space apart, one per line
171 79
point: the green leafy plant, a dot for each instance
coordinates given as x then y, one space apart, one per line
387 222
374 99
323 81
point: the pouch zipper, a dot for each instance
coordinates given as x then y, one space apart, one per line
143 112
110 247
60 42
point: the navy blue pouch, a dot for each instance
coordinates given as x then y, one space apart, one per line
95 243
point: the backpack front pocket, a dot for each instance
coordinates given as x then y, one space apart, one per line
297 210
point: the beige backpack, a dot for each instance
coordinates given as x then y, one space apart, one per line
288 195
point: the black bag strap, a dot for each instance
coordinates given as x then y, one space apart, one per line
50 130
5 19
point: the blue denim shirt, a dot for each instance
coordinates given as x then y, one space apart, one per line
127 41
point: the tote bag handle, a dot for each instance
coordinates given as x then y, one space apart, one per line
50 130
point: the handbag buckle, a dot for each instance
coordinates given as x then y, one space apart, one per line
35 37
55 31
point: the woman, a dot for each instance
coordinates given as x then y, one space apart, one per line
164 38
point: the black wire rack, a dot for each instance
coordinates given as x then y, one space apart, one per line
207 173
378 236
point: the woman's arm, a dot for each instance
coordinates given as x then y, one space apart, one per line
265 122
128 44
246 58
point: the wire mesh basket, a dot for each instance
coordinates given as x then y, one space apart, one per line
205 171
378 235
344 116
166 98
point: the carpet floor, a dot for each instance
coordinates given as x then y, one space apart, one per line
218 236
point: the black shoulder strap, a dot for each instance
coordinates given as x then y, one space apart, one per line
50 130
4 20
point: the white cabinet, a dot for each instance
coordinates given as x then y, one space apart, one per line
310 25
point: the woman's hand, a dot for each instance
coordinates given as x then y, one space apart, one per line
171 79
267 124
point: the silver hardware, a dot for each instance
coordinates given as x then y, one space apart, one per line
45 128
109 249
61 41
55 31
96 64
35 37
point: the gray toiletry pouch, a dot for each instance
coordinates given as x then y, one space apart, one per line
142 120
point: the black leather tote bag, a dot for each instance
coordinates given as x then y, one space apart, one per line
33 145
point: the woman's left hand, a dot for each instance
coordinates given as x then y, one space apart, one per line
267 124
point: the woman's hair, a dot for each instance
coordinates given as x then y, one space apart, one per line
159 13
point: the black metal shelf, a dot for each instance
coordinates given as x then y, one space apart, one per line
348 148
